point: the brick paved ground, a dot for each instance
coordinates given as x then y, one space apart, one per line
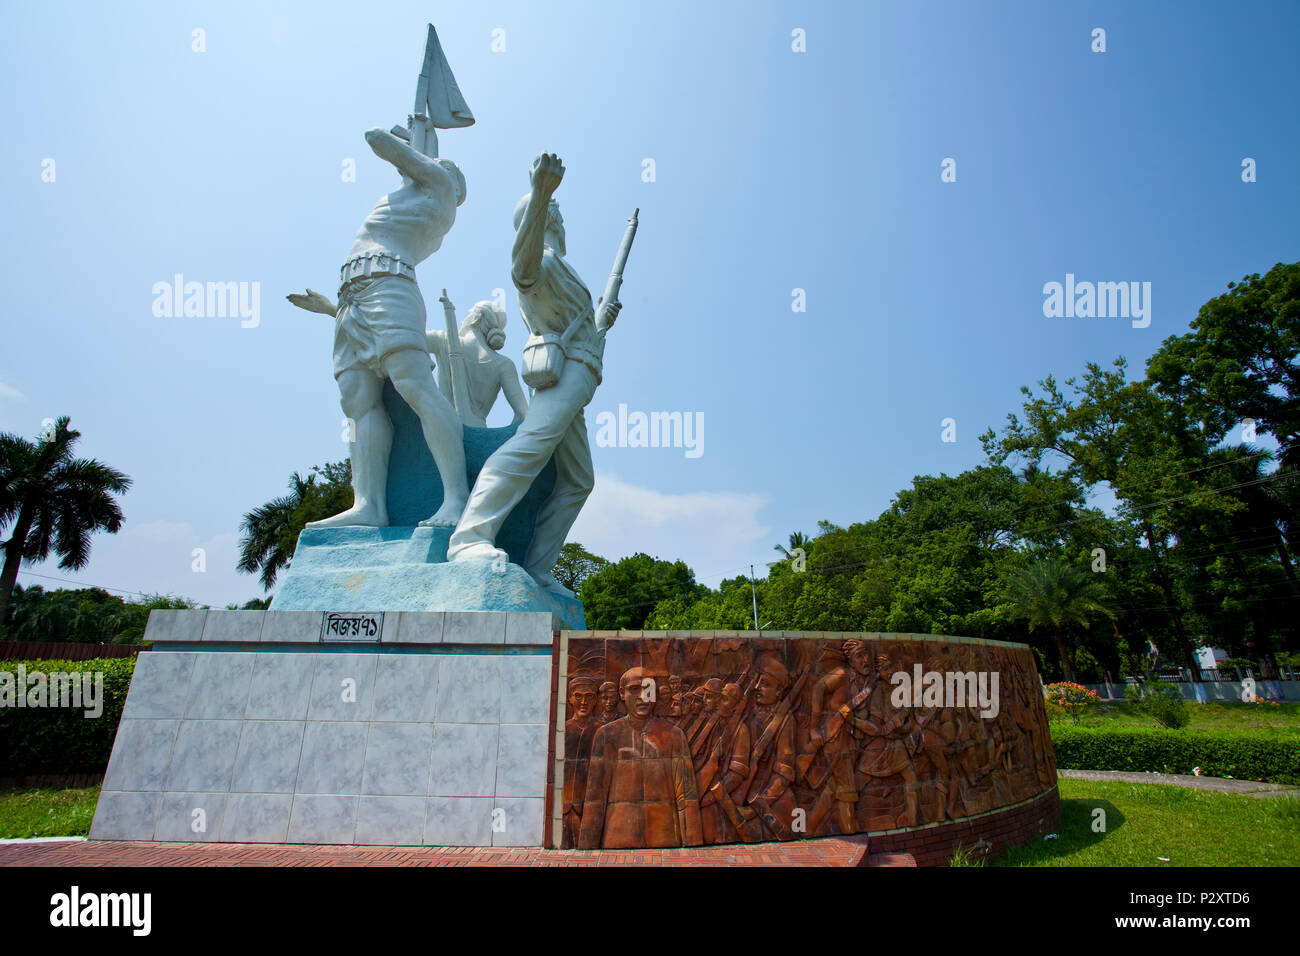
832 851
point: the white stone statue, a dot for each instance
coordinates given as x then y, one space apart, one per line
488 373
563 363
379 331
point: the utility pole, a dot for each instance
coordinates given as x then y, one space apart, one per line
753 593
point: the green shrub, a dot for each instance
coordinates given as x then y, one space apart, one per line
1161 701
1240 754
61 740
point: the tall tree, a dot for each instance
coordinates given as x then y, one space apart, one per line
269 534
575 564
1139 443
1239 361
51 500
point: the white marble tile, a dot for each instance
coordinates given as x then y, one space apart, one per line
419 627
125 816
474 627
281 686
458 821
166 624
521 821
323 819
406 687
390 821
204 757
469 689
397 759
333 757
521 760
235 627
529 627
256 818
190 817
464 760
219 685
525 689
343 688
291 627
142 754
269 754
160 684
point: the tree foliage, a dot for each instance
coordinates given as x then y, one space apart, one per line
621 595
575 564
269 534
52 501
1197 547
85 615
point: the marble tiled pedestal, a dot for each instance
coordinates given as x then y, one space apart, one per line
243 726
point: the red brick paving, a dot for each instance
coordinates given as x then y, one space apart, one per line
830 851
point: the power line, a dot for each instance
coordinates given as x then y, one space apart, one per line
83 584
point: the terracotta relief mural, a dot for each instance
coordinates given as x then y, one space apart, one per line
699 740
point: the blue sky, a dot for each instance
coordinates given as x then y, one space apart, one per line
774 170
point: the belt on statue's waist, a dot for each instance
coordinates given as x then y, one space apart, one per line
375 264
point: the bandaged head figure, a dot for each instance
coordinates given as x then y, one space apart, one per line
489 320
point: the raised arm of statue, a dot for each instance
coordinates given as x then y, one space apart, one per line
409 161
546 174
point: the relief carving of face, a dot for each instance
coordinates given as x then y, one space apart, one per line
582 700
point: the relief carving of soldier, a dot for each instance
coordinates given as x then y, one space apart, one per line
839 695
723 763
640 788
769 797
887 737
579 730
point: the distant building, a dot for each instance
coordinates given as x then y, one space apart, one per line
1208 658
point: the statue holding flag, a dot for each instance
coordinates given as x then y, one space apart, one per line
379 329
535 475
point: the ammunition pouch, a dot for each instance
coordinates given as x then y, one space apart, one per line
543 360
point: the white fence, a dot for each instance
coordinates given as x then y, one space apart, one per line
1209 690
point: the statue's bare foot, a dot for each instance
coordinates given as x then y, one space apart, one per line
365 516
480 551
447 516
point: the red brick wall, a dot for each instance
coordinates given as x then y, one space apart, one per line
934 845
50 650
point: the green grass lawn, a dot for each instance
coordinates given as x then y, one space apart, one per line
1144 822
1147 822
43 812
1216 715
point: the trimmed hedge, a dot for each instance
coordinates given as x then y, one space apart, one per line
61 740
1242 755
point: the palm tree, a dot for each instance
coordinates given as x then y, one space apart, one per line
1053 594
270 533
53 501
797 540
269 537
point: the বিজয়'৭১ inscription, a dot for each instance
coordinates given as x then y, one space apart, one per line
352 626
